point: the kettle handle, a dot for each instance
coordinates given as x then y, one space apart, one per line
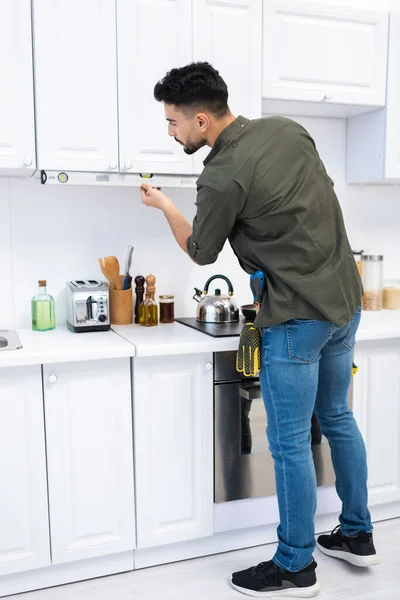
228 281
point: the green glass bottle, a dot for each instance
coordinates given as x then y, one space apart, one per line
43 311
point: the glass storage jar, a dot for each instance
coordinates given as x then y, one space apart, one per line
373 281
358 257
391 294
167 309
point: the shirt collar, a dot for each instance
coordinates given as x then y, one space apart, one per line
226 135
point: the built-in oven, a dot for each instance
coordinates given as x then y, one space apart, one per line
243 465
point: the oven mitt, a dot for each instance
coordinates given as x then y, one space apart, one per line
248 358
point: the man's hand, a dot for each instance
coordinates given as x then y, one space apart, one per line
154 197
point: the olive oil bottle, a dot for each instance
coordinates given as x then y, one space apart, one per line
148 312
43 312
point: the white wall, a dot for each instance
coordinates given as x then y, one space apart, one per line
6 295
57 233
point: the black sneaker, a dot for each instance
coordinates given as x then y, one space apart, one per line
359 550
268 580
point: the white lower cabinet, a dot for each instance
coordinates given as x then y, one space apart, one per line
90 458
24 526
173 425
377 409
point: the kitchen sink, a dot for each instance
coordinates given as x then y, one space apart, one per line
9 340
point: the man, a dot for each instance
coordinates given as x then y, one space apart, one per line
265 189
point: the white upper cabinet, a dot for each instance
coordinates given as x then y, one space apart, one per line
17 125
154 36
24 525
76 84
373 140
227 34
332 55
90 458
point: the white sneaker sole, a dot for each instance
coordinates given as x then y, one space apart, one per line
353 559
308 592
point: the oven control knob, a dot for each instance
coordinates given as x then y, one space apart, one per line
209 366
102 318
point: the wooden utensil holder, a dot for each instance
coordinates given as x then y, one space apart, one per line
121 306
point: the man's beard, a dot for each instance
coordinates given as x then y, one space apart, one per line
192 148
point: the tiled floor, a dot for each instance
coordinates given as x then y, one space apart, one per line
207 578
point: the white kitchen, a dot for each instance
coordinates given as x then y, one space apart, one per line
116 477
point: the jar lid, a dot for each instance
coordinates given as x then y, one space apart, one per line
166 297
358 251
373 257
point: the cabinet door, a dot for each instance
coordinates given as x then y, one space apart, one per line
227 34
173 416
154 36
392 130
24 538
321 53
17 127
76 84
377 409
90 458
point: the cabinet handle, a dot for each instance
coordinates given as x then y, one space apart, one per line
209 366
52 379
327 96
113 164
128 164
27 161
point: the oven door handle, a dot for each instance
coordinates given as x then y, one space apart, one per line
250 391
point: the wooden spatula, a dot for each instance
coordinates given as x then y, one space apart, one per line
106 274
111 264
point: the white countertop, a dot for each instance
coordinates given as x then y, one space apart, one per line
62 345
379 325
176 338
173 338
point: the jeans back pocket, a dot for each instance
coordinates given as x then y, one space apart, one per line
307 338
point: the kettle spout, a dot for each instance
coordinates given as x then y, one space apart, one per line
198 295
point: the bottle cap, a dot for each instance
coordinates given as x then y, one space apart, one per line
42 282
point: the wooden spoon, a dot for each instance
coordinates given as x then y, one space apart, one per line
111 264
106 273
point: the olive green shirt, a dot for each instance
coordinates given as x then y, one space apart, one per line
265 189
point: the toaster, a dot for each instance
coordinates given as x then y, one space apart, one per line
88 307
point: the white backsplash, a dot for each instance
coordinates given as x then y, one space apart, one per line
57 233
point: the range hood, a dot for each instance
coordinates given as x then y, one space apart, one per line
116 179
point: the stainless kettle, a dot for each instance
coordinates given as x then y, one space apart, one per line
216 308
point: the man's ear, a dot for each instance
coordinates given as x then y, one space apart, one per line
203 121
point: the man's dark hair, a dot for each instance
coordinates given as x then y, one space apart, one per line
197 86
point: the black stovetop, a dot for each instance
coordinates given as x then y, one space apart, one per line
214 329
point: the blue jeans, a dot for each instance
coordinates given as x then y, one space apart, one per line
306 367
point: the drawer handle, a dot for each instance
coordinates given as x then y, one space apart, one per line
52 379
251 391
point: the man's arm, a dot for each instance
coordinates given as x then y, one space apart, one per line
215 218
181 229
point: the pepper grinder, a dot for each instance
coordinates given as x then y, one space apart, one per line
139 290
